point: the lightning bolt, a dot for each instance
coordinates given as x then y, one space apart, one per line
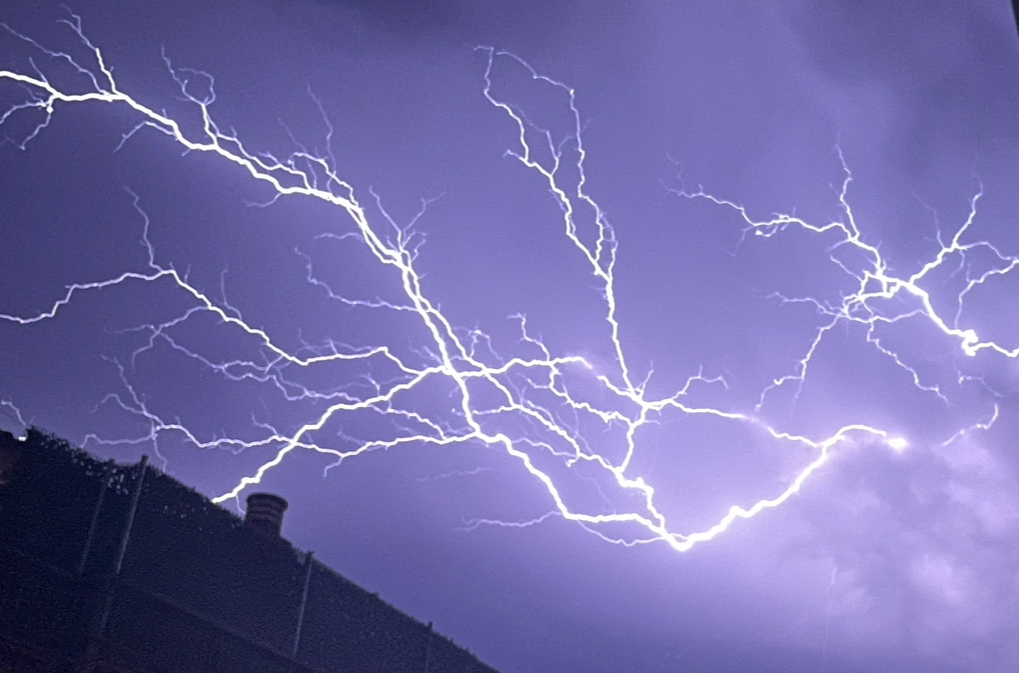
880 297
530 405
15 412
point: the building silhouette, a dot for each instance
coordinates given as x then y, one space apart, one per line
108 568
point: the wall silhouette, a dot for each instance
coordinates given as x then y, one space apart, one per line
197 590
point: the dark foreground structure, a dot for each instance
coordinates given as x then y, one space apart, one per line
121 569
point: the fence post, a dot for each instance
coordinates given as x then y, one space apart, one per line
308 559
107 473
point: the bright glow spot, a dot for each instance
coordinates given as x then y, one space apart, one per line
898 444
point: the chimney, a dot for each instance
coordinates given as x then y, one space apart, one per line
265 513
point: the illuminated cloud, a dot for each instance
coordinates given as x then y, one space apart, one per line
500 312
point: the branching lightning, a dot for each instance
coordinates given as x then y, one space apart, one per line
525 405
880 297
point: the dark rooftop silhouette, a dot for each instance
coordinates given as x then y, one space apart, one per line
105 567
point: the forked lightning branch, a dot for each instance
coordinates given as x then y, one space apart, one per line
525 404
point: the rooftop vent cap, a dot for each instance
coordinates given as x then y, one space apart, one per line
265 513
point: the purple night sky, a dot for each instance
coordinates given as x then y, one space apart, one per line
901 319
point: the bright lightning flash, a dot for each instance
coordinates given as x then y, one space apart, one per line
898 444
526 405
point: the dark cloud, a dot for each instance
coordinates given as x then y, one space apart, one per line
448 21
407 19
